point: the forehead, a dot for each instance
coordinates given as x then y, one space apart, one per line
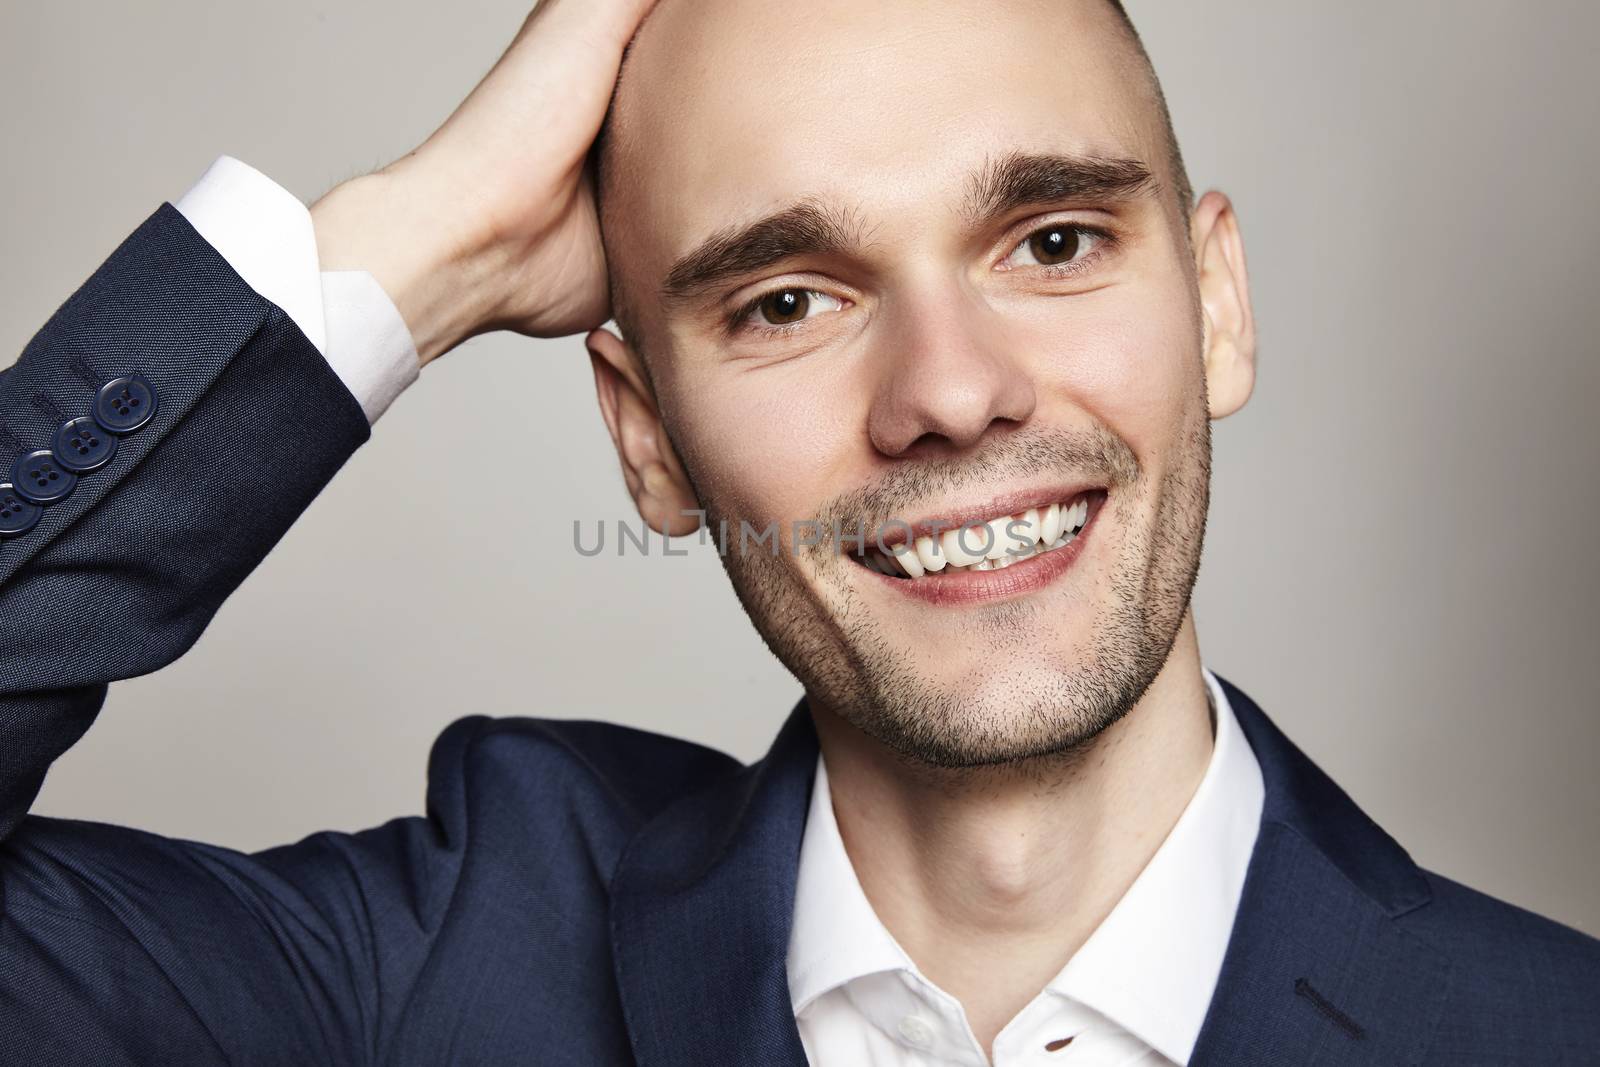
729 109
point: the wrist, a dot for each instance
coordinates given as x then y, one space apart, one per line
392 226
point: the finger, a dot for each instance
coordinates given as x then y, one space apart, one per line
561 71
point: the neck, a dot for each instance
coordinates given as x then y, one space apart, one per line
991 878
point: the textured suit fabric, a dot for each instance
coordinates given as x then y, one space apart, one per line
576 893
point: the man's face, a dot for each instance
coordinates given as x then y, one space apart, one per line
980 304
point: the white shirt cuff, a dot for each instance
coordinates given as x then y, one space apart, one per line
266 235
369 344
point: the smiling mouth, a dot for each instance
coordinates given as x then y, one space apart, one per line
986 545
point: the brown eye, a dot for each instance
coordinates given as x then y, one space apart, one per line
784 306
1060 245
1057 244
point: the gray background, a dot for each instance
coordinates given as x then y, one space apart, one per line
1401 551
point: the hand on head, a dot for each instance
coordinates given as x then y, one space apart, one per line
490 223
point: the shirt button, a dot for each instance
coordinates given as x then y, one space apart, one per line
41 478
916 1031
17 516
124 404
81 445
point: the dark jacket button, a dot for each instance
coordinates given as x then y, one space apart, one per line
82 445
17 516
40 478
124 404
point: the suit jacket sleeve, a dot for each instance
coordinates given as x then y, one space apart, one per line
118 946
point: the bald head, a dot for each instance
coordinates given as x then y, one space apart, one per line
722 94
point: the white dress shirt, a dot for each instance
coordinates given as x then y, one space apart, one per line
266 235
1135 993
1138 989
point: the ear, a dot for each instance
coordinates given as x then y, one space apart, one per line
650 467
1230 326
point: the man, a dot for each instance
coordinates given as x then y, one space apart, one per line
925 271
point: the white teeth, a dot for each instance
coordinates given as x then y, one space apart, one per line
954 545
1050 524
1000 539
1031 528
990 546
906 556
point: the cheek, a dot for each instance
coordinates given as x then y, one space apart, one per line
1130 357
773 443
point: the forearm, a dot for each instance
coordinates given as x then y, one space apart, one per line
403 231
490 223
120 576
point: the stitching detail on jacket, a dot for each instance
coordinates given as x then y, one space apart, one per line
85 373
48 408
1305 990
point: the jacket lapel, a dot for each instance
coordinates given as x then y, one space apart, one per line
1318 969
701 905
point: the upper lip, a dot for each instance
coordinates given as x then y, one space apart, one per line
894 530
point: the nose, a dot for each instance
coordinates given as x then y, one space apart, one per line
949 376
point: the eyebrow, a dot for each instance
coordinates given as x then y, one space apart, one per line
812 227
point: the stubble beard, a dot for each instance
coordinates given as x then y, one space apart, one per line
842 654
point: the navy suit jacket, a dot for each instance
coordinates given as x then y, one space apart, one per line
577 893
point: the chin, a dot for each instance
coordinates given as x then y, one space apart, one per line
1005 707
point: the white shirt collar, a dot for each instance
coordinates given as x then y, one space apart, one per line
1151 966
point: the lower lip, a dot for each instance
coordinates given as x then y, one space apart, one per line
972 587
